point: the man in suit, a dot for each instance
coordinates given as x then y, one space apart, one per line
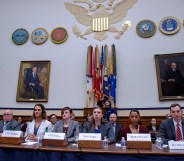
175 80
33 82
8 123
116 127
172 129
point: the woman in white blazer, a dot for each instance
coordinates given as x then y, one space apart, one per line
39 125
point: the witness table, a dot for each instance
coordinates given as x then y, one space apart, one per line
73 153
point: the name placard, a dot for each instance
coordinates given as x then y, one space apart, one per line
53 135
138 137
176 145
9 133
89 136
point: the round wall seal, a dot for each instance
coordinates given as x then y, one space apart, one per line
20 36
146 28
39 36
59 35
169 25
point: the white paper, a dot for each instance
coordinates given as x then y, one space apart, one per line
89 136
29 143
138 137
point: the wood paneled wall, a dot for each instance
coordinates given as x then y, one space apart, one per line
145 120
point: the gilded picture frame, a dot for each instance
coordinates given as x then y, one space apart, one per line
170 76
33 81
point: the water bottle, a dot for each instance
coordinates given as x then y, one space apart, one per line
156 141
123 143
160 143
39 140
105 142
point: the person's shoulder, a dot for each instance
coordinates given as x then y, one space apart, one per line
59 122
88 124
166 121
74 122
14 122
46 122
144 128
118 125
107 124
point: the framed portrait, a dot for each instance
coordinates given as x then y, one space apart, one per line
170 76
33 82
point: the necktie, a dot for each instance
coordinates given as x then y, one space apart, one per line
178 132
5 126
114 127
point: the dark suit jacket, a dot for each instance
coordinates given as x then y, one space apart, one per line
106 129
13 125
37 88
167 130
118 128
30 79
73 129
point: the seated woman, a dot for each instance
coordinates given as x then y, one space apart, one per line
67 126
98 125
134 127
153 129
37 127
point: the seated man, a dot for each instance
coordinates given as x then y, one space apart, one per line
8 123
32 81
116 127
172 129
53 119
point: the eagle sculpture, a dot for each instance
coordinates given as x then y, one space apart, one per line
100 18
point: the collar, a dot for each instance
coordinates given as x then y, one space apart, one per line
175 123
6 122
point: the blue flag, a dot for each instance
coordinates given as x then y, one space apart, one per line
113 88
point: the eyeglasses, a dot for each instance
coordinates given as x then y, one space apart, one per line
7 114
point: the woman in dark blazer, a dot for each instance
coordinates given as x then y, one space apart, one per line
98 125
134 127
67 126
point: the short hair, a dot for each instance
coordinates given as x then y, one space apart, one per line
109 103
114 114
44 116
174 105
134 111
52 115
66 108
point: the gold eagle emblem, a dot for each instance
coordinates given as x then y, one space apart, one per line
100 17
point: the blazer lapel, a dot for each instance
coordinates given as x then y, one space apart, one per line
171 123
61 127
69 128
182 124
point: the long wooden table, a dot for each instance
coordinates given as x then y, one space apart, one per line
73 153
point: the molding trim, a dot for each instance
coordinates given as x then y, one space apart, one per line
81 109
